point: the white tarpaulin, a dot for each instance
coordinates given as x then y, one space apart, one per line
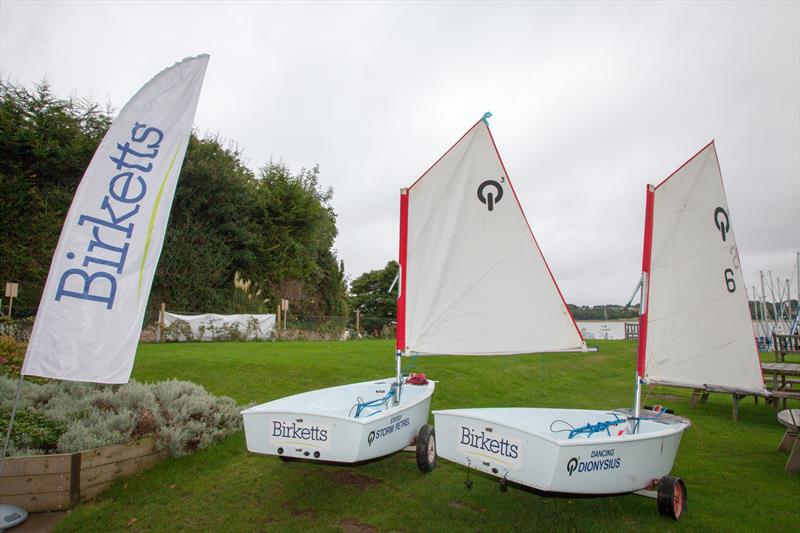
475 279
699 331
209 327
93 304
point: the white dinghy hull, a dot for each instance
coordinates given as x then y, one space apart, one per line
320 425
517 444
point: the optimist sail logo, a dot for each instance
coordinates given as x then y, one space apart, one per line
490 192
490 445
572 465
298 433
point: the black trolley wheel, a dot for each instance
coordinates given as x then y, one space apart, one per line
671 497
426 449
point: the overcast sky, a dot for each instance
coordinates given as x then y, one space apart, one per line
591 101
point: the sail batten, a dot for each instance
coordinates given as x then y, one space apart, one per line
697 324
474 279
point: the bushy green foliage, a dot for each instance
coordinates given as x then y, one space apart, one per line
276 228
603 312
211 233
64 416
298 229
370 293
33 432
45 145
12 353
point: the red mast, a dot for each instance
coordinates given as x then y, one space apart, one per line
401 298
646 255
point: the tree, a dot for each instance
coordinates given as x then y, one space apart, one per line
212 232
603 312
295 245
370 294
45 145
276 228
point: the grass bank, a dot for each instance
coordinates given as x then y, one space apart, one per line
733 472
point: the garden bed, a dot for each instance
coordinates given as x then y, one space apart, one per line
71 440
58 482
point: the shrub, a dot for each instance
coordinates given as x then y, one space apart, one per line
33 433
12 352
19 328
179 330
65 416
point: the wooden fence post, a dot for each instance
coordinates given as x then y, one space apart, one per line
75 479
358 322
162 321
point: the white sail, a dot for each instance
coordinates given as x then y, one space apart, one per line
699 331
474 280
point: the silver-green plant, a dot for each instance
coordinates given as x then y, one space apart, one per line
181 415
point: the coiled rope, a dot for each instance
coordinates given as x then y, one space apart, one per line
361 404
588 429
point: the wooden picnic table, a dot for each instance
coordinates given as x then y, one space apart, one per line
790 442
781 369
783 381
784 374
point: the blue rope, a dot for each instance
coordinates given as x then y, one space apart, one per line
380 401
486 117
591 429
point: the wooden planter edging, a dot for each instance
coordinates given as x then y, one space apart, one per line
60 481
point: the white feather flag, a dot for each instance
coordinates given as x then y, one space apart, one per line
93 305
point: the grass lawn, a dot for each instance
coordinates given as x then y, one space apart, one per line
734 474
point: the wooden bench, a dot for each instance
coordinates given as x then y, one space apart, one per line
701 396
784 385
785 382
785 344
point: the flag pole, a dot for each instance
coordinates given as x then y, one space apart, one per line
11 423
11 515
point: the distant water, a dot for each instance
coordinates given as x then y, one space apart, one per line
613 329
602 329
